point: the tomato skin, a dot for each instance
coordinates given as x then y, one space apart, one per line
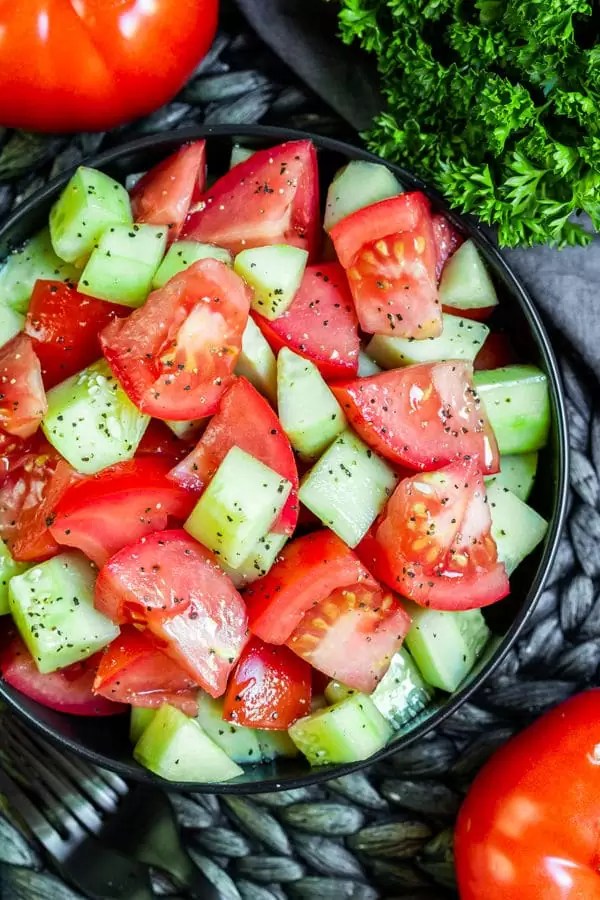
64 326
176 354
67 690
270 198
528 828
497 351
447 241
321 323
113 45
164 194
244 420
22 397
103 513
388 411
269 688
308 569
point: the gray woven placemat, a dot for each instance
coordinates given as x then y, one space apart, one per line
386 832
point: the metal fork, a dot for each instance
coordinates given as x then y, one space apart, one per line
138 822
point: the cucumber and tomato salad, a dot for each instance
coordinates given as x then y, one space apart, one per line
233 472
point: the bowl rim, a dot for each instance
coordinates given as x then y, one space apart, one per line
467 223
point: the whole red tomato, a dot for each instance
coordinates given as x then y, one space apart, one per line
73 65
530 826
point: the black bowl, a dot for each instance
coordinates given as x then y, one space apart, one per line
105 741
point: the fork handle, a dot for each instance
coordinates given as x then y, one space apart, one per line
107 876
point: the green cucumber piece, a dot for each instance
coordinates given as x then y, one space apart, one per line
366 366
182 254
257 362
240 154
90 203
460 339
184 430
465 281
52 605
11 323
346 732
259 561
357 185
445 645
516 527
91 421
348 487
9 568
139 720
24 267
517 473
274 273
402 693
177 749
335 691
239 743
238 507
308 411
143 243
517 402
273 744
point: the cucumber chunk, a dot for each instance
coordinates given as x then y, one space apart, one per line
90 203
517 402
335 691
238 507
9 568
182 254
22 269
122 266
357 185
257 362
176 748
346 732
139 720
274 744
402 693
259 561
465 281
516 527
274 273
239 743
308 411
240 154
91 421
460 339
517 473
445 645
11 323
52 605
184 430
348 487
366 365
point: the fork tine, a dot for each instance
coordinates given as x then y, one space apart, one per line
44 831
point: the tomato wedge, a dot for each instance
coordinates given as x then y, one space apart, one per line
389 252
134 669
159 440
447 239
321 323
269 688
103 513
64 327
244 420
175 586
22 396
352 635
497 351
176 354
307 571
433 544
421 416
67 690
270 198
163 196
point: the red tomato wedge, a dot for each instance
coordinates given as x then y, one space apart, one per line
22 396
433 543
389 252
176 354
269 688
447 239
163 196
64 328
421 416
134 669
352 635
159 440
497 351
176 587
307 571
103 513
244 420
271 198
321 323
67 690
